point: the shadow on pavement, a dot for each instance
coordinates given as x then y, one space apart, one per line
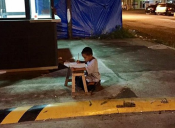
126 93
12 78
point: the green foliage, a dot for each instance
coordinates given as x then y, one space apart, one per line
119 33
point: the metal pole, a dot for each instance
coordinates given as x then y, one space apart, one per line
27 9
52 9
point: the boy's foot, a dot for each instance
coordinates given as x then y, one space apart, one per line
91 88
98 88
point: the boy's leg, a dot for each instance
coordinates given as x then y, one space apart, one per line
95 86
79 82
91 87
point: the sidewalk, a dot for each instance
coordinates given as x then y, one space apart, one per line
129 69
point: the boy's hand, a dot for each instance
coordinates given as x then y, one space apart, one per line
78 61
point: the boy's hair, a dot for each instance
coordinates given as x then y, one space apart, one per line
87 51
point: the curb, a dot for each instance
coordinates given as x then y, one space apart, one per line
85 108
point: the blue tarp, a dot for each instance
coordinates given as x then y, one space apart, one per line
62 28
89 17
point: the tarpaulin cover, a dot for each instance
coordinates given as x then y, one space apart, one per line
62 28
90 17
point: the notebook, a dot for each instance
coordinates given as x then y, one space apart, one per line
75 65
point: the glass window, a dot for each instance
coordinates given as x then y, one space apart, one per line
12 9
40 9
35 9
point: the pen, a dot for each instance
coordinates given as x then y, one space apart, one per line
78 56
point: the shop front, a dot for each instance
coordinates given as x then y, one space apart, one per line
28 35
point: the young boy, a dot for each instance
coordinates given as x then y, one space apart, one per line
92 73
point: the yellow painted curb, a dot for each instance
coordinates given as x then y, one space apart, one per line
88 108
15 115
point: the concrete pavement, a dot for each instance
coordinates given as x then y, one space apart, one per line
130 68
145 72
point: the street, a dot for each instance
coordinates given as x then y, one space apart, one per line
157 27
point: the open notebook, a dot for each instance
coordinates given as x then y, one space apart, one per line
74 65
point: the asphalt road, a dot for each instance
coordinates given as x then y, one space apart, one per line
157 27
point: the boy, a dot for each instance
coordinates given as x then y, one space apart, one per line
92 73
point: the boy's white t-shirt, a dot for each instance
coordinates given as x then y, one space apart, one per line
92 70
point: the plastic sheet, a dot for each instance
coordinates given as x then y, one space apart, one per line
62 28
90 17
